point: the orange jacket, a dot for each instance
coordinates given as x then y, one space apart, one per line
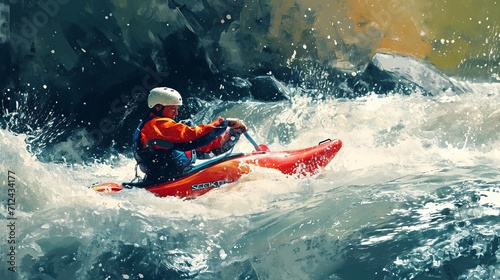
164 148
183 137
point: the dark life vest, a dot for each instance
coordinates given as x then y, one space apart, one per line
162 160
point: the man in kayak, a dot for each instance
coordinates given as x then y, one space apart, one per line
165 148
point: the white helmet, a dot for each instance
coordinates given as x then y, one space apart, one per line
164 96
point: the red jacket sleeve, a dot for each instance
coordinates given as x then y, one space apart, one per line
216 144
184 137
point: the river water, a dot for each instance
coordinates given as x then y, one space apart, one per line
413 194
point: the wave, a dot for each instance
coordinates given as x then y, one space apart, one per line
415 179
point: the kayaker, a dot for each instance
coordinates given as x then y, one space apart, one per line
165 148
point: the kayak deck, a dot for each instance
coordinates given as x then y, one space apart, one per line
218 172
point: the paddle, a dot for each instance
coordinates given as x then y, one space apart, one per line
258 147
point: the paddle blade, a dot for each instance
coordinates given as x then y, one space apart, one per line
108 188
264 148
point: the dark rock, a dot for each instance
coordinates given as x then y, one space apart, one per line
405 74
267 88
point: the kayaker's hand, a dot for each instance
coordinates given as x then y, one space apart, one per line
237 125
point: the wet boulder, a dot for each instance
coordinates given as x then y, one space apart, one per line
405 74
268 88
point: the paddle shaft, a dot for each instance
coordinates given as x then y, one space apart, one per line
250 139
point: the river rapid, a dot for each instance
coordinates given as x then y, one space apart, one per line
413 194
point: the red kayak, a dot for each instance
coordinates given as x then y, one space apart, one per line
215 173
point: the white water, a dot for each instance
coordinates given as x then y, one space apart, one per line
414 190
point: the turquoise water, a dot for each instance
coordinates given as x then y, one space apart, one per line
413 194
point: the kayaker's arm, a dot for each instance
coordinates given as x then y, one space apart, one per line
224 141
185 138
213 137
229 140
